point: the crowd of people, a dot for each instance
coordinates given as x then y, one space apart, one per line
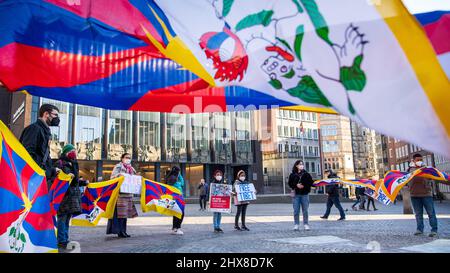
36 138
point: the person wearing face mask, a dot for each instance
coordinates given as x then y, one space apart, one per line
124 206
241 205
175 179
217 216
300 181
36 138
421 190
71 203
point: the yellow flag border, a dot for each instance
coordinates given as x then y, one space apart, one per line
109 212
421 55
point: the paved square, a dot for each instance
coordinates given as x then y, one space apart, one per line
385 230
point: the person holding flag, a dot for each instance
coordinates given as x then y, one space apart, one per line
333 197
175 179
71 203
124 207
36 138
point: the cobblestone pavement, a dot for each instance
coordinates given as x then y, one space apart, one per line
385 230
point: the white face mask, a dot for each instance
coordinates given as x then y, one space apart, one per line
301 167
127 161
419 163
242 178
218 178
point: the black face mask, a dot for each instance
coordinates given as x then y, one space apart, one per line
54 122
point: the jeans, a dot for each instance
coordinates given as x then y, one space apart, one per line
202 201
217 216
176 223
241 210
334 200
418 204
303 201
63 221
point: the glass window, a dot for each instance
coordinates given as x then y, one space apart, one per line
149 148
243 138
88 132
176 137
60 135
222 133
119 134
200 137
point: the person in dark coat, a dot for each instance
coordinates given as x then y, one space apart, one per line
300 182
36 138
333 197
71 203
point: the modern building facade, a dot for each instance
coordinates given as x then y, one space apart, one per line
198 143
284 142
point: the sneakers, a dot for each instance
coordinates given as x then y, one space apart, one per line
323 217
433 234
237 228
218 230
341 219
307 227
418 232
173 231
179 232
245 228
295 227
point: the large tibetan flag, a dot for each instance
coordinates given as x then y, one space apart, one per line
98 201
161 198
58 190
26 223
346 56
394 181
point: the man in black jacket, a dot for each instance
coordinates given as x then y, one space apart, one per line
333 197
300 181
36 139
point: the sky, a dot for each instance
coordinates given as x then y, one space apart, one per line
420 6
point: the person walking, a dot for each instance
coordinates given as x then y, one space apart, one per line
71 203
217 216
203 193
125 207
241 205
36 140
333 197
358 197
300 182
176 180
371 200
422 197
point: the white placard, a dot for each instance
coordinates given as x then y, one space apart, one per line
131 184
245 192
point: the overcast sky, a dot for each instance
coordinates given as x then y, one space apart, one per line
419 6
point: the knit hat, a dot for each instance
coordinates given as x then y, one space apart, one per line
67 148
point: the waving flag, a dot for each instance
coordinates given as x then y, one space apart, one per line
26 223
436 24
212 56
394 181
99 201
58 190
161 198
366 183
378 194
